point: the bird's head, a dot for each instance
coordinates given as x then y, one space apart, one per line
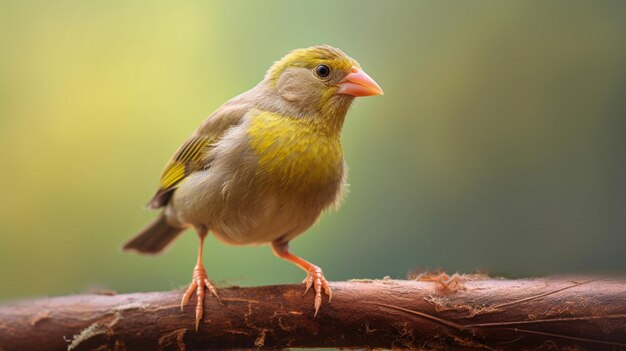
320 80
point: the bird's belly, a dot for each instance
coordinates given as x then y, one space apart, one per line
272 220
240 209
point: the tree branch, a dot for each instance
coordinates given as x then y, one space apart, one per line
464 314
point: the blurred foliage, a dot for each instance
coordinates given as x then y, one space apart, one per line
499 143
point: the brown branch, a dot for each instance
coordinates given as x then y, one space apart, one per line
478 314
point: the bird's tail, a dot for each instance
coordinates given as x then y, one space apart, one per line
155 237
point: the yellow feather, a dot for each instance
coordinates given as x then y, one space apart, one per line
188 154
295 151
311 57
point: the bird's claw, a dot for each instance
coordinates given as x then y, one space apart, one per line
315 278
199 282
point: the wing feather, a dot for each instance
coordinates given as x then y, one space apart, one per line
192 155
185 161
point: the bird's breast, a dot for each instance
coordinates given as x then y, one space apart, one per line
294 151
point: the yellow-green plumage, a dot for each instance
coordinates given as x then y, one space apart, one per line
311 57
294 151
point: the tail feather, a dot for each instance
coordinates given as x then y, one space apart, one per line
155 237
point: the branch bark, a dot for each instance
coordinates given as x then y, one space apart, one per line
471 313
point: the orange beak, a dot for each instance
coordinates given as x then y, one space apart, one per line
358 83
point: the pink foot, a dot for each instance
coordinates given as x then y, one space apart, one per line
315 278
199 282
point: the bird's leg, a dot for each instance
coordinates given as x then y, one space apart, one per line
199 282
315 277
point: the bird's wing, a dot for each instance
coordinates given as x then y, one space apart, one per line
193 155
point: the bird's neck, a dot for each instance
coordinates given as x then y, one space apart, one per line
325 115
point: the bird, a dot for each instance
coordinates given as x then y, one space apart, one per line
262 167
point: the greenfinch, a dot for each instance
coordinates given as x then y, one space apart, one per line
263 167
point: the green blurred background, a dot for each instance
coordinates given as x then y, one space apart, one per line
499 143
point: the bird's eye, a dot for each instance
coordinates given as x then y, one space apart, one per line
322 71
